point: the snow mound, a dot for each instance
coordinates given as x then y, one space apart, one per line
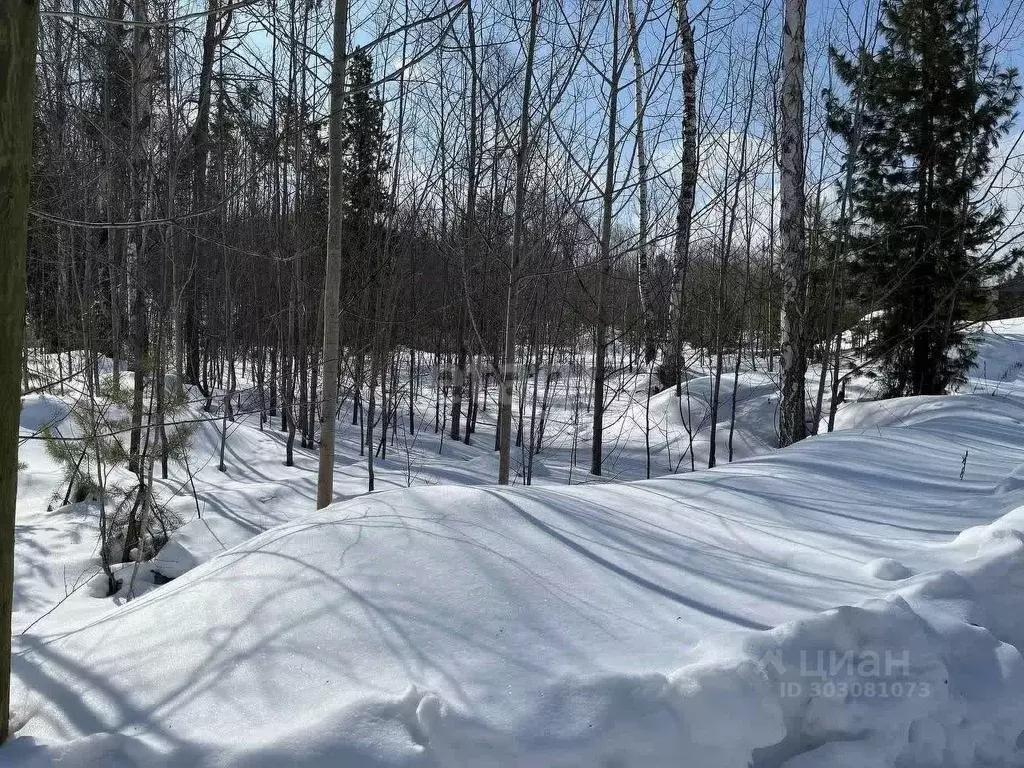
39 412
887 569
448 627
683 621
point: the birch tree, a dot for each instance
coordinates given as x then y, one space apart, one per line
792 423
672 369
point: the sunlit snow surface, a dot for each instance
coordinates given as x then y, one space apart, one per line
688 621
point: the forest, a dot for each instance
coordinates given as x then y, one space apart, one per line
559 243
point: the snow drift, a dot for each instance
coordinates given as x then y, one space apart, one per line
686 621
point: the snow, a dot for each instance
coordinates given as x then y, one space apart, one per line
730 617
887 569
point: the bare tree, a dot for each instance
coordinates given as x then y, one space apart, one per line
644 287
673 367
792 422
332 273
508 373
605 266
18 21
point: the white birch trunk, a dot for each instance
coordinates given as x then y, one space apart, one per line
792 424
672 372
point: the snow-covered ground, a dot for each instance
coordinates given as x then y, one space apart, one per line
689 620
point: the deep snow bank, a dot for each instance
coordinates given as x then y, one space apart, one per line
615 625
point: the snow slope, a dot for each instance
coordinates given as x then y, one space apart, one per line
257 492
602 625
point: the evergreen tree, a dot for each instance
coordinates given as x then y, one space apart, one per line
364 164
934 105
365 153
96 464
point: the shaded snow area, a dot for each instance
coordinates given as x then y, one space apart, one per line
854 601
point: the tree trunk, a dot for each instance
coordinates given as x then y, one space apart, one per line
459 380
188 311
508 373
644 289
792 423
18 20
332 271
139 191
601 340
672 368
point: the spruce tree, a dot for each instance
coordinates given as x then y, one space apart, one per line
365 153
933 105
